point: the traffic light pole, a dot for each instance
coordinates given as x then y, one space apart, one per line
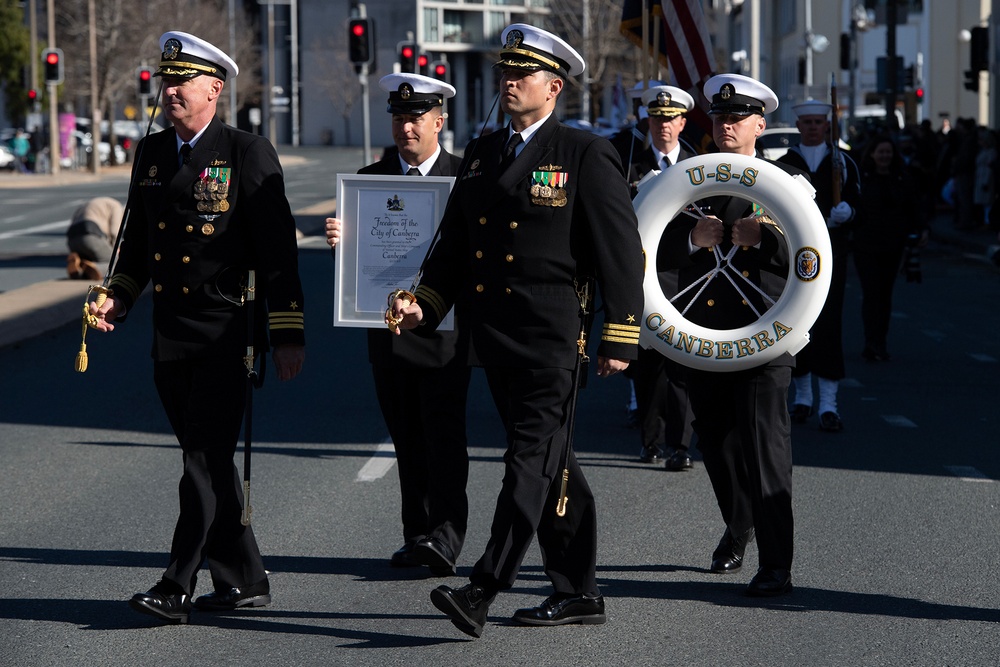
53 99
365 113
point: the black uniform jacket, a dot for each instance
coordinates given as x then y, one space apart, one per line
194 231
513 245
428 348
719 305
645 162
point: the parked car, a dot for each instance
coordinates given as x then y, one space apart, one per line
775 141
85 146
6 157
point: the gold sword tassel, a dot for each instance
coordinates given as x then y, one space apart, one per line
90 321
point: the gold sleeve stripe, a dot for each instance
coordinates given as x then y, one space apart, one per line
621 327
127 285
290 314
619 339
277 327
432 299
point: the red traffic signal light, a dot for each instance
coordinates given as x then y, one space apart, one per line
52 64
32 96
144 81
919 94
407 56
361 41
439 70
422 62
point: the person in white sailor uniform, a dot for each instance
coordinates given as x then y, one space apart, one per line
741 418
429 370
208 206
538 210
823 357
665 415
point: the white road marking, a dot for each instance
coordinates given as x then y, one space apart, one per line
379 464
898 420
985 358
934 334
967 474
62 224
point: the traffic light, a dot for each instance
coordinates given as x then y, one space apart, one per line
144 81
32 98
845 50
407 56
918 94
361 41
52 59
910 76
422 62
972 80
439 70
979 47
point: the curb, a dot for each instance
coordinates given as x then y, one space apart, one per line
29 311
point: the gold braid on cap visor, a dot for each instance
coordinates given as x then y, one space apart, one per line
670 112
171 68
529 54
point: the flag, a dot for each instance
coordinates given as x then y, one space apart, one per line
684 48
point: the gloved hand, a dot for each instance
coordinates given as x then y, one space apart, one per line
840 214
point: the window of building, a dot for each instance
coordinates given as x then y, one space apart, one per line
432 27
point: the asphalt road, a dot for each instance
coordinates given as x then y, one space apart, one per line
897 518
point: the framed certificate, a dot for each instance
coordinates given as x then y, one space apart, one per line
388 225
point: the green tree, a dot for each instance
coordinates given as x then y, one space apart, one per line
14 47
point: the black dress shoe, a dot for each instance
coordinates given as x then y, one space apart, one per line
769 583
650 454
163 602
436 555
403 556
831 421
728 556
800 413
563 609
467 606
256 595
678 461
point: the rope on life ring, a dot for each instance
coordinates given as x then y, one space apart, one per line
784 327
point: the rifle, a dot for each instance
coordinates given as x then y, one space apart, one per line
836 162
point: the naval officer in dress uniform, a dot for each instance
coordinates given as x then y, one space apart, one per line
207 206
660 384
538 210
428 371
740 417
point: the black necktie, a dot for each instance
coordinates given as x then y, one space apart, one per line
665 162
185 154
413 171
510 150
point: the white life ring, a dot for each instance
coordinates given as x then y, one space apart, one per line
784 327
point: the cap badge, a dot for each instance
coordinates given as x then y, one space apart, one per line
405 91
663 99
171 49
727 91
514 39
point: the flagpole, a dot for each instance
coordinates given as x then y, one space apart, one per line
645 40
656 45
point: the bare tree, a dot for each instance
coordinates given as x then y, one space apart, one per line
121 47
607 51
337 78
